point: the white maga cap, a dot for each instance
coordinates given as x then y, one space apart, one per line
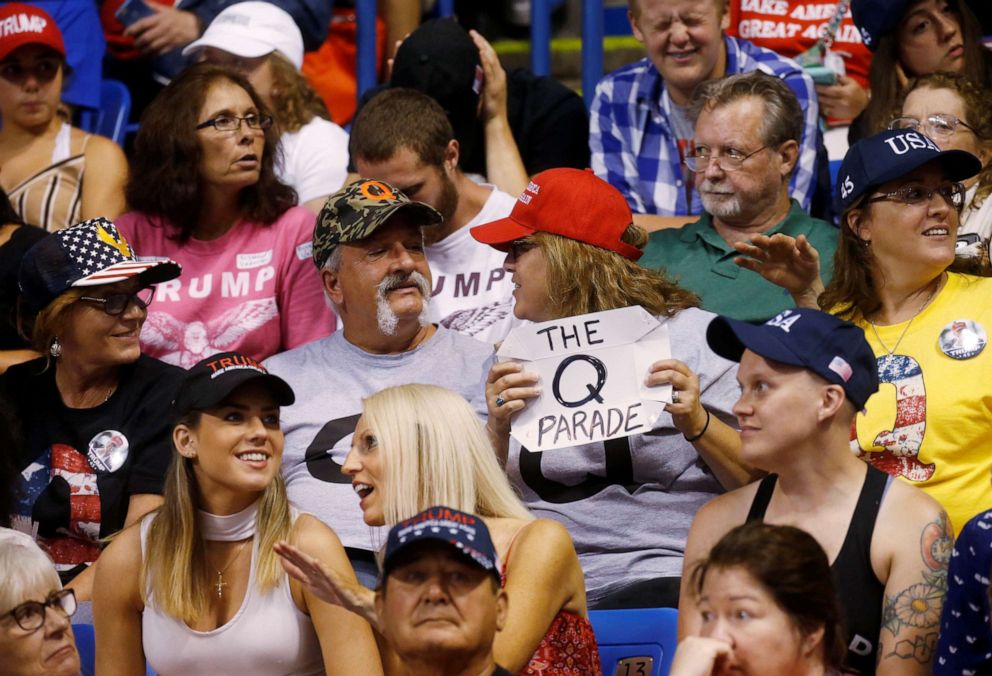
253 29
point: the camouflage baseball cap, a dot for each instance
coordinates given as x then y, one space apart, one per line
356 210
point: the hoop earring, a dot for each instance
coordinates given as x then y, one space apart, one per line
56 348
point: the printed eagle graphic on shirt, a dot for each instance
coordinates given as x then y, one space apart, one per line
184 344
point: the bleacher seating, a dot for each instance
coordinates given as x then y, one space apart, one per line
111 119
86 645
636 642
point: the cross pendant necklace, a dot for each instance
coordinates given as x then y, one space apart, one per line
220 584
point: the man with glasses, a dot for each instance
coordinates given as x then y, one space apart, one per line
640 128
744 152
35 634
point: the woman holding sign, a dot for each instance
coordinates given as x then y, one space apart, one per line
628 502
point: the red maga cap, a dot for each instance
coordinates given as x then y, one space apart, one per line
571 203
22 24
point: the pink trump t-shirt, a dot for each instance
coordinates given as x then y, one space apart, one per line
254 289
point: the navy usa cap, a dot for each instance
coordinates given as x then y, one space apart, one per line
876 18
830 347
463 532
891 154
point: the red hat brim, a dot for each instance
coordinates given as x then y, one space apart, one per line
498 234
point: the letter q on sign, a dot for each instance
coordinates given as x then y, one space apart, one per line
591 367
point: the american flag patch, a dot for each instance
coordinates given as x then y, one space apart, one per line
841 368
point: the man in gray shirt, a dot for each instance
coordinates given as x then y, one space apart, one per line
369 249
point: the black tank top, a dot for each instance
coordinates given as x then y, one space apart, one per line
859 590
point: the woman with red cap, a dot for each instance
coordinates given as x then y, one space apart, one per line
44 157
572 249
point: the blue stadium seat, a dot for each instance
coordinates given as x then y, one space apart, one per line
111 119
86 645
636 642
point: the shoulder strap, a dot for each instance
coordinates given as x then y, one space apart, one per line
506 559
869 504
761 499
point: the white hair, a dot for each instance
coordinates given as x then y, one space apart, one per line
26 568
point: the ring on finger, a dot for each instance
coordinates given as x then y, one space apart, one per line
675 396
500 400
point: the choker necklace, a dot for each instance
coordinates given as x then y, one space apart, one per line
890 353
230 528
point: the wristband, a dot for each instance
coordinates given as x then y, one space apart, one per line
699 436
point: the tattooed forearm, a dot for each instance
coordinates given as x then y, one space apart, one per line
921 648
916 608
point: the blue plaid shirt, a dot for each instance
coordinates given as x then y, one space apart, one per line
634 146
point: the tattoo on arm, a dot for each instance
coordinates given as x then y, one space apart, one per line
918 606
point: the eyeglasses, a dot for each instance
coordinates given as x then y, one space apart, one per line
30 615
731 160
936 126
953 194
116 304
233 122
44 70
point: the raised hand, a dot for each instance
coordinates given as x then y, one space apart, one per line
792 263
324 583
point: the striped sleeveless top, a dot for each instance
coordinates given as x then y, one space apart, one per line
53 197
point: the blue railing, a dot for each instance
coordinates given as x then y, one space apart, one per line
540 41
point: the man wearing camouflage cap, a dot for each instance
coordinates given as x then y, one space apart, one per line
369 249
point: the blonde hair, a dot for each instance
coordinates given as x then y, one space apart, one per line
435 452
294 102
51 319
584 278
174 569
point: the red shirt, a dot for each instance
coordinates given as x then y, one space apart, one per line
790 27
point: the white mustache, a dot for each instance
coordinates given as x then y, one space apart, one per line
398 279
715 186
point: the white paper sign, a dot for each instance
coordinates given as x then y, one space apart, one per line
592 370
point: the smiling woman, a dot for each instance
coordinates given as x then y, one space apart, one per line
205 192
201 572
895 276
94 450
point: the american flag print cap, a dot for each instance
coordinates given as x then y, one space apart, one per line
90 253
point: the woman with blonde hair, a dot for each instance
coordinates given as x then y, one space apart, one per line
572 249
200 572
422 445
262 42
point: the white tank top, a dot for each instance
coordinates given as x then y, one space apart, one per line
268 636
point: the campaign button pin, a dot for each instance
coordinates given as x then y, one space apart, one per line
107 451
963 339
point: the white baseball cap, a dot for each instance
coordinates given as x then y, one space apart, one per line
253 29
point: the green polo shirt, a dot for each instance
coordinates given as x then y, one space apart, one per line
701 261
